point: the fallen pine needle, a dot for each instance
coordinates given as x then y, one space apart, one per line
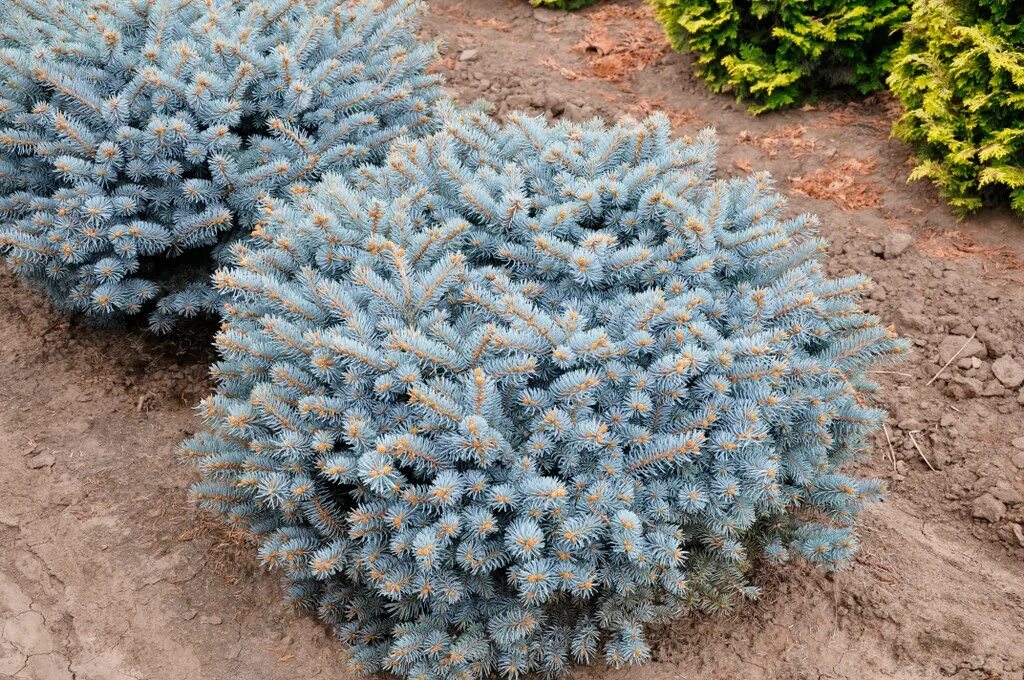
920 452
952 359
892 453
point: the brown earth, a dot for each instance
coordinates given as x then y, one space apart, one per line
107 573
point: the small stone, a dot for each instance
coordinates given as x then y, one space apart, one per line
469 55
544 16
189 615
1007 494
1020 397
1018 443
993 389
913 321
211 620
896 243
963 328
232 651
997 344
966 362
951 344
989 508
909 425
901 467
554 104
1008 371
1018 533
948 420
968 388
41 460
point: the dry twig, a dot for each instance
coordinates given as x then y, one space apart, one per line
892 452
951 359
920 452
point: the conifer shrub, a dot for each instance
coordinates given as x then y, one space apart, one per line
501 402
138 138
774 53
562 4
959 74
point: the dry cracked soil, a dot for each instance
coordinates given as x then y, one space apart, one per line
106 573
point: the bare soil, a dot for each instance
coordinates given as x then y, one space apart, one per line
107 573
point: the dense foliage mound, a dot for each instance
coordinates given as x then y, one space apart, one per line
136 138
960 76
522 390
775 53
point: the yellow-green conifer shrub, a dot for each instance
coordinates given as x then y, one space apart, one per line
562 4
960 76
777 53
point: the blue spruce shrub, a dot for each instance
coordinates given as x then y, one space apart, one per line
501 402
138 138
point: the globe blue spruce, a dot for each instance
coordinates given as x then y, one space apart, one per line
505 400
138 138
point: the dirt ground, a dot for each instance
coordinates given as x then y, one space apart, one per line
106 573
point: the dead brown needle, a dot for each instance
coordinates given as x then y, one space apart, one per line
952 358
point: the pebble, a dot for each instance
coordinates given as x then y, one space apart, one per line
1008 371
993 389
997 345
948 420
1018 443
469 55
41 460
554 104
909 425
896 243
963 328
989 508
1018 533
913 320
1007 494
211 620
967 388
